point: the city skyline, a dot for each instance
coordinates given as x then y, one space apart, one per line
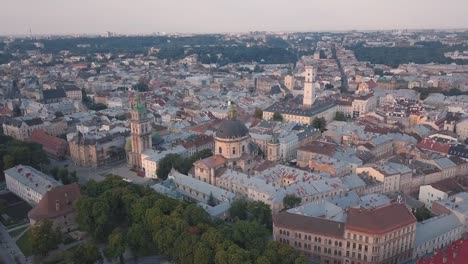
145 17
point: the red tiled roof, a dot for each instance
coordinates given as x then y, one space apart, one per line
371 83
433 145
64 196
213 161
456 253
50 144
379 220
319 147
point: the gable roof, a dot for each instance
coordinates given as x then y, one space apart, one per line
214 161
56 202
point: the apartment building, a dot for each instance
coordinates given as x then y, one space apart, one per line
329 234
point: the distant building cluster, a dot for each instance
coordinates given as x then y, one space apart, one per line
366 151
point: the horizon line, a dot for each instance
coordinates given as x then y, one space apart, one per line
230 32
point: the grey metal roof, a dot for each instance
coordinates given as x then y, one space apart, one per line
232 129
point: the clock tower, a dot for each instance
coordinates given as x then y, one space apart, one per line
140 133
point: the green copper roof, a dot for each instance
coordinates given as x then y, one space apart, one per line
139 106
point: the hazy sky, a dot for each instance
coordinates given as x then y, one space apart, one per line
200 16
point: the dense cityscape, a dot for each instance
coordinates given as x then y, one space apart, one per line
260 147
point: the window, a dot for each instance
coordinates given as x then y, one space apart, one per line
243 149
234 150
220 150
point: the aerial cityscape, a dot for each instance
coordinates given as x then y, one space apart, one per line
201 140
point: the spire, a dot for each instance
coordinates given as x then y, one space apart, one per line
140 107
232 112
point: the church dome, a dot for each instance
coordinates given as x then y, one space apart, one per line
230 129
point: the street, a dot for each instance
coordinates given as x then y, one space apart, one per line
98 174
8 248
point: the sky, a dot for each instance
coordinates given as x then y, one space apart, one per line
220 16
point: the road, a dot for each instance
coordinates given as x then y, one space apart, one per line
9 249
98 174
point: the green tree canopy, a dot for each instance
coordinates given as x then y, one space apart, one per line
116 245
258 113
319 123
291 201
126 216
277 117
86 253
44 237
340 116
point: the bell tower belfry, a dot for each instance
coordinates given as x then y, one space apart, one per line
140 133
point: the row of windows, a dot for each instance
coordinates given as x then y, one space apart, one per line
220 150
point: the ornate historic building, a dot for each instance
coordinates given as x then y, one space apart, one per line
141 133
232 150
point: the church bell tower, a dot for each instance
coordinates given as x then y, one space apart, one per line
140 133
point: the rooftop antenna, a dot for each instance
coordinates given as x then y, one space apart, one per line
30 33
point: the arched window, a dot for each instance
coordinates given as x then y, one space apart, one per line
220 150
234 150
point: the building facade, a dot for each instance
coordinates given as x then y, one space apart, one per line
382 235
28 183
140 133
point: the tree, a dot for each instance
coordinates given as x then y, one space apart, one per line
8 161
378 71
116 245
291 201
63 175
55 172
166 164
194 215
203 254
238 209
139 239
258 113
320 123
14 152
277 117
249 234
44 237
97 107
422 213
141 87
258 69
466 141
73 177
211 200
260 212
86 253
122 214
156 139
58 114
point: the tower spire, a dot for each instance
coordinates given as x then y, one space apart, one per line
232 112
138 105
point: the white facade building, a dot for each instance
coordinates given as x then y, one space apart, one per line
150 159
28 183
429 194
